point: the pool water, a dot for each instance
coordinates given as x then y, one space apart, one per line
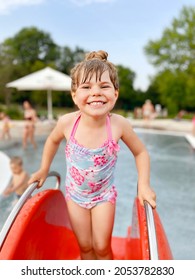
172 178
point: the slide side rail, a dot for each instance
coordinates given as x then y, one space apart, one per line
25 196
151 232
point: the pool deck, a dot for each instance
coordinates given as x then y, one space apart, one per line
43 128
166 125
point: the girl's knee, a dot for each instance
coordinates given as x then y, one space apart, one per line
87 253
102 249
85 247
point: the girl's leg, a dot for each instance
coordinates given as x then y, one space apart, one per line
80 219
102 226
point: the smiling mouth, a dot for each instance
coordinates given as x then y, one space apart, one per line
96 103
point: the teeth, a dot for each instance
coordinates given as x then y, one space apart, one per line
96 103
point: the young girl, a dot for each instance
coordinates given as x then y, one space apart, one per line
92 136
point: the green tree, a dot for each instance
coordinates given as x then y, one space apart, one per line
127 94
174 57
5 76
30 45
152 93
29 50
68 58
32 49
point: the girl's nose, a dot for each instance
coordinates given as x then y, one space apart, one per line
95 90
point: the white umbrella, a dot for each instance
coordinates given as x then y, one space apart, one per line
45 79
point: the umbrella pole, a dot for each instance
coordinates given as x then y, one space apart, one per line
49 105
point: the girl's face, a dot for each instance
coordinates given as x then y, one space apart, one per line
96 97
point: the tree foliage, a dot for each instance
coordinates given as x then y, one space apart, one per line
29 50
68 58
30 45
127 95
32 49
173 55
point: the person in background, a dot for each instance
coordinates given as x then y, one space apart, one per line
193 125
92 135
180 115
137 113
30 117
5 126
158 110
148 111
20 177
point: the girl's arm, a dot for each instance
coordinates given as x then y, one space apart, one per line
142 161
49 151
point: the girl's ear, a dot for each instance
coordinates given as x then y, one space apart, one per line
74 97
116 93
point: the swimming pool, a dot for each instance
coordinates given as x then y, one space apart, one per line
172 177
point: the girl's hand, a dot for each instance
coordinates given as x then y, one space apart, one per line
39 176
147 194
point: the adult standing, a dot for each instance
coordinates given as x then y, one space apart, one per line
30 117
148 110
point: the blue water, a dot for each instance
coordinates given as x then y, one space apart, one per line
172 177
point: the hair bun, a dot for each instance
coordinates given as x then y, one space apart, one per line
101 55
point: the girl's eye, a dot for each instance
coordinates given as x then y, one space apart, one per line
84 87
105 86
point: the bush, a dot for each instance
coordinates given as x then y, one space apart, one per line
14 113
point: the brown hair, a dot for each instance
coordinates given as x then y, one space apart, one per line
16 160
94 62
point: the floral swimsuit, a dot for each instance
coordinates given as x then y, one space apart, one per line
90 172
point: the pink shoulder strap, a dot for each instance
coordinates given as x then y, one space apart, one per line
108 127
75 126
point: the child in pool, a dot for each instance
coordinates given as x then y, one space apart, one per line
20 177
5 127
92 136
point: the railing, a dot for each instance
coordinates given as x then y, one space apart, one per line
151 232
26 195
